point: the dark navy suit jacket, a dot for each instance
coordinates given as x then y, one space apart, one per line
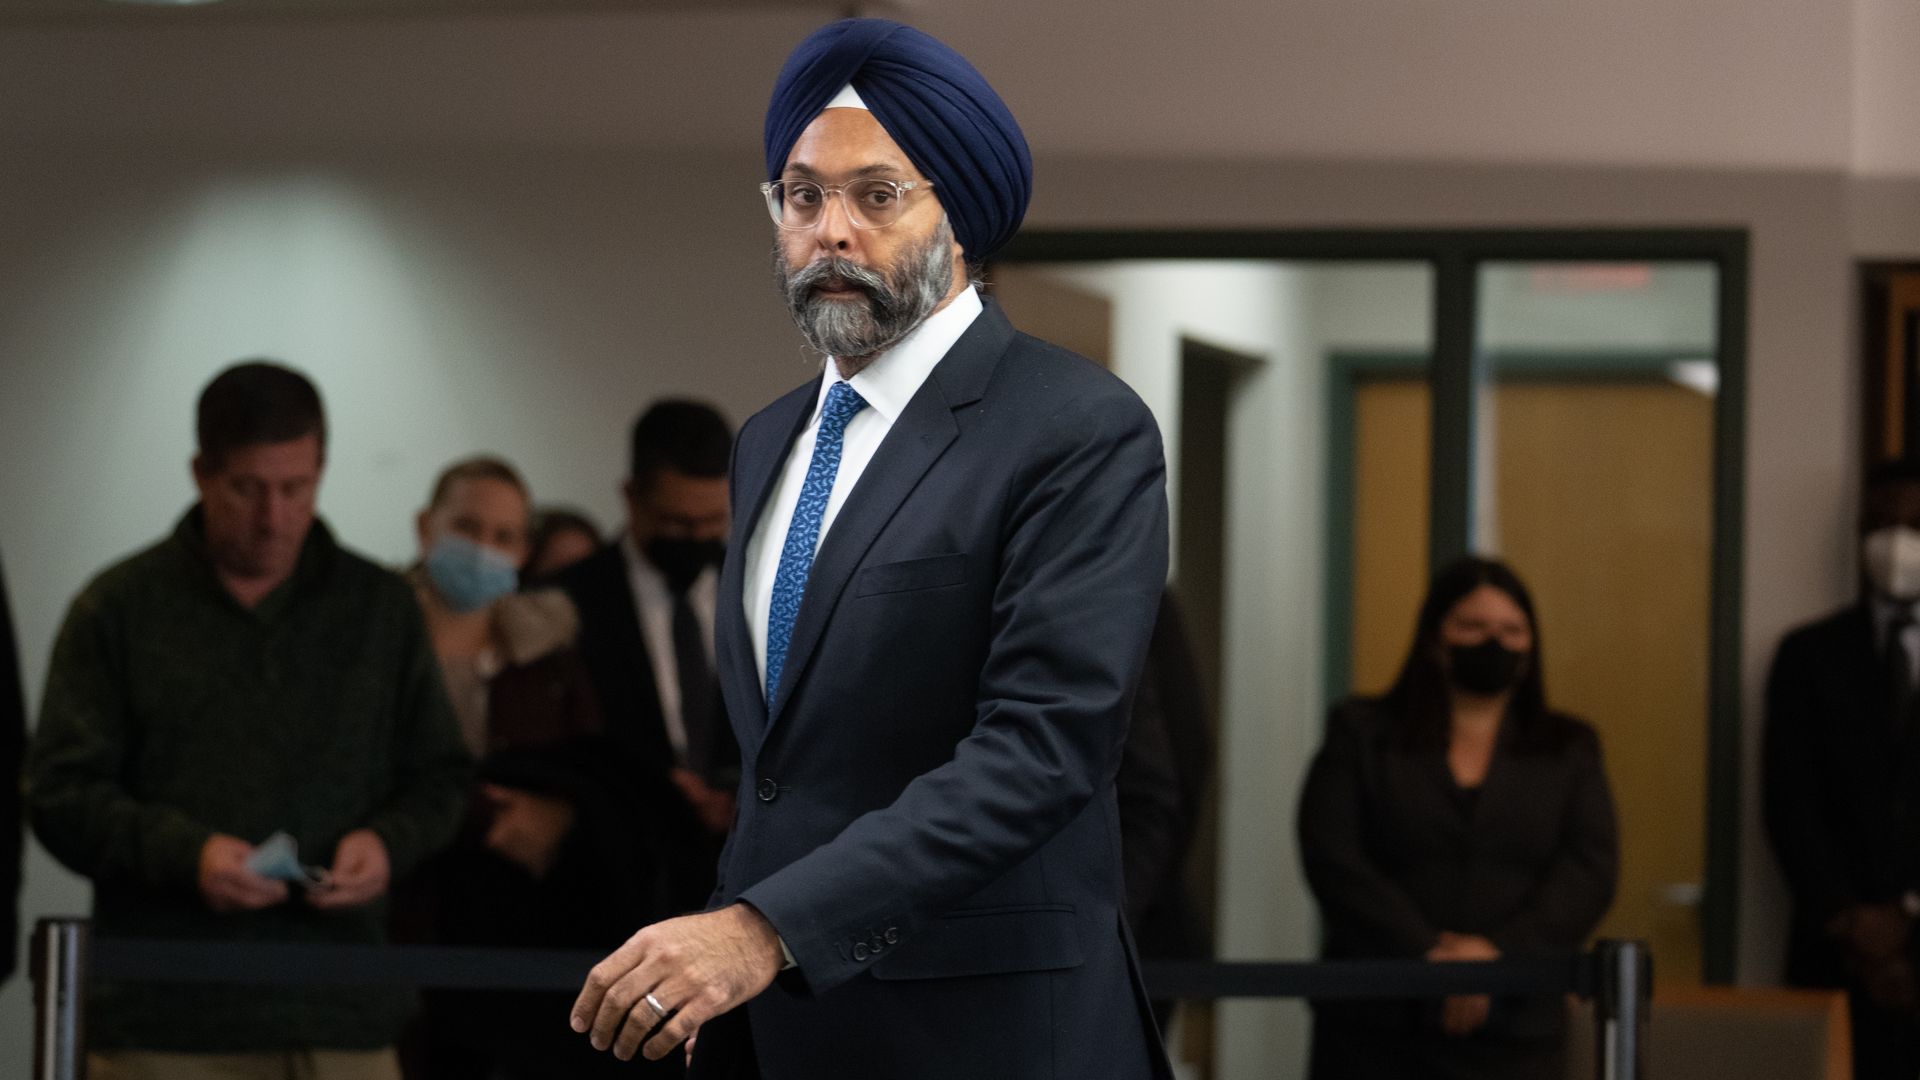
927 811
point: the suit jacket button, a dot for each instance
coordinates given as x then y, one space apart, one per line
768 791
861 952
893 935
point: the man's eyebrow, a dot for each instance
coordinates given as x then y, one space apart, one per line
881 168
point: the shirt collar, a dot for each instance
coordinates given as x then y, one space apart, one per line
891 380
1886 610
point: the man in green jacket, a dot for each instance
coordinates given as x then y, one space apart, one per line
245 676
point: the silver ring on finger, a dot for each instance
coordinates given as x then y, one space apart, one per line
659 1010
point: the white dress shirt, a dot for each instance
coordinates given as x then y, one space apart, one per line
653 602
1885 611
887 384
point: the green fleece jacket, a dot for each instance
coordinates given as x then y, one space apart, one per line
172 713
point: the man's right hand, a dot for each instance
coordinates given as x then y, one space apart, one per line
225 882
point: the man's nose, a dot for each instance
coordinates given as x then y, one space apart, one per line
834 231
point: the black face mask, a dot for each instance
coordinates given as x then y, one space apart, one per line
1487 668
681 561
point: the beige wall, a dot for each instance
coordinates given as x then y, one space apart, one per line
1798 84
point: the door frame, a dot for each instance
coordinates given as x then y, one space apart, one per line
1456 372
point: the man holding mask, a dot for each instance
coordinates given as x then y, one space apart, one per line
948 552
245 677
1842 785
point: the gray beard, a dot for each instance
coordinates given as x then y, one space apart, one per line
893 305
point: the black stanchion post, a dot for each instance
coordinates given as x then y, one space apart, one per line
1622 998
59 971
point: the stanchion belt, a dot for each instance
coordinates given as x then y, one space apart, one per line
256 963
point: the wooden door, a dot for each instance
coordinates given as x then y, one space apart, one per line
1603 499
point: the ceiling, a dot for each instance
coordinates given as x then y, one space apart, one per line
83 12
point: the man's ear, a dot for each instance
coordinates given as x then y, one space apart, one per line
420 530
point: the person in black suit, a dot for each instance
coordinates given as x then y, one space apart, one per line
646 607
947 553
1161 787
1842 785
13 748
1456 818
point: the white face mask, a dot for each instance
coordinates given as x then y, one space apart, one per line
1892 560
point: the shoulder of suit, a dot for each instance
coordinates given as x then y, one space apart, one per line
1832 626
1039 377
589 577
1363 718
1574 733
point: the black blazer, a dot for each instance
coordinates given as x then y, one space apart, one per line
1162 789
927 809
1842 785
1394 857
615 654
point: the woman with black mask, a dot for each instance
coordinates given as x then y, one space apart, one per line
1456 818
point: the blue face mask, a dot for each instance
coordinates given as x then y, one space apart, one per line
469 576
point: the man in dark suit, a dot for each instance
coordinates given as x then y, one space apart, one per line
948 553
1842 795
1162 786
646 606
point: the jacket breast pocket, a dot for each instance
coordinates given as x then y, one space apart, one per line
989 941
911 575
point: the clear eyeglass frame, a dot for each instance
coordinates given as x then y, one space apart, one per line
895 189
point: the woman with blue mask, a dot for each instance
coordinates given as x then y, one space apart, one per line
542 859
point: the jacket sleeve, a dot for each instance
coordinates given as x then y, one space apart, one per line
1082 566
1352 890
1792 800
80 807
1577 888
431 766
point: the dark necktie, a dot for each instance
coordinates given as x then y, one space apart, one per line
697 685
1899 670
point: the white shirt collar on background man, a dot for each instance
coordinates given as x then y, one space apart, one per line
887 385
653 604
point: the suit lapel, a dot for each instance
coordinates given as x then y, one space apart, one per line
922 433
757 461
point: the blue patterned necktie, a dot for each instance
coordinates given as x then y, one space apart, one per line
803 535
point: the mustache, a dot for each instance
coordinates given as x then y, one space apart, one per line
835 271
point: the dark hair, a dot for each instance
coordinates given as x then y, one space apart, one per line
686 436
1420 696
550 522
256 402
480 467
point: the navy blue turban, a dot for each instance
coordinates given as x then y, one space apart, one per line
940 111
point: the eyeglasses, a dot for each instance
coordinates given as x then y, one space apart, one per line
871 203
